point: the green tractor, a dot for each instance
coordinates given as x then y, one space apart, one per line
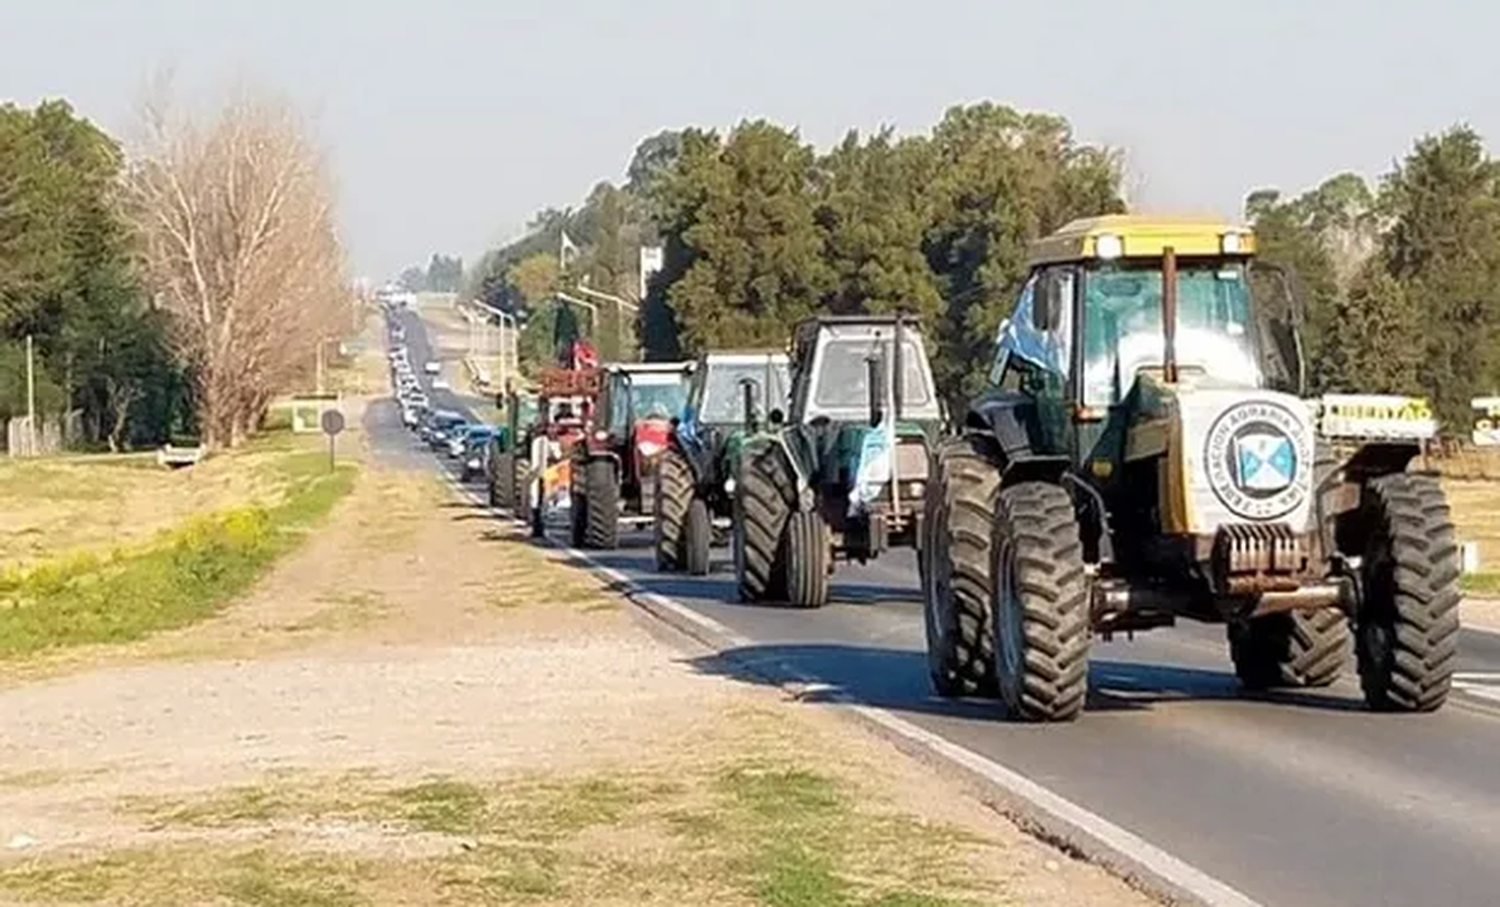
1144 453
505 467
695 477
842 475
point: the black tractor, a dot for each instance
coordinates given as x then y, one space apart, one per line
729 397
843 474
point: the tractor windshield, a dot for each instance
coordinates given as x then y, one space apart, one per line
1122 325
724 396
843 377
657 396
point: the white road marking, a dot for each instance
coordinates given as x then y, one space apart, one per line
1174 871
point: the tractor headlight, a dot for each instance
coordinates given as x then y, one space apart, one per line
1108 245
729 486
1231 243
915 489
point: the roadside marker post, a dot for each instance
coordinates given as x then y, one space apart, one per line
333 423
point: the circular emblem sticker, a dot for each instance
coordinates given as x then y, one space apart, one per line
1256 455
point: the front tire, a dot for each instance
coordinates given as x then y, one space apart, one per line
1305 649
1407 629
601 511
674 495
762 503
805 552
697 537
1040 604
960 512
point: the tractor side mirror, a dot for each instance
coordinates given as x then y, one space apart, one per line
1046 303
776 417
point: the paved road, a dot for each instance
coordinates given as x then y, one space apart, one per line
1304 799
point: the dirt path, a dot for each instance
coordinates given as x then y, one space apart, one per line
419 707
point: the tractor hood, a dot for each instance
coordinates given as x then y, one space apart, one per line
1228 456
649 441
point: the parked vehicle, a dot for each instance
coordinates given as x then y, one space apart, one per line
476 446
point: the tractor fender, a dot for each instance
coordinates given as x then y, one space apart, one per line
1010 427
806 499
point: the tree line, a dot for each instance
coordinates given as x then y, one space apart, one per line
173 291
760 229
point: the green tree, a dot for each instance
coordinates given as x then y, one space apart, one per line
871 211
413 280
997 180
1443 247
742 234
66 278
1368 344
444 274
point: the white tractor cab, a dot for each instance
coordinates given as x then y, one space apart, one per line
1144 453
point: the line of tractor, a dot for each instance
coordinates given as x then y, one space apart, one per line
1143 449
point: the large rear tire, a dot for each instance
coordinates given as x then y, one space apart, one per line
1040 604
763 499
601 512
1293 649
674 494
805 551
697 537
1407 628
960 511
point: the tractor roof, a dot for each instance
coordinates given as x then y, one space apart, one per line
737 357
1140 236
636 368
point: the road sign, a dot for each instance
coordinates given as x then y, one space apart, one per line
333 423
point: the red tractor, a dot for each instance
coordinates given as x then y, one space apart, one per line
564 408
613 469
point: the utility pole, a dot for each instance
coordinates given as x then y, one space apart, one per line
30 396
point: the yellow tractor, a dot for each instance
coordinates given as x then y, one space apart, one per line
1145 451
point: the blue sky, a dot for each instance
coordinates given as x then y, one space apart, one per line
449 122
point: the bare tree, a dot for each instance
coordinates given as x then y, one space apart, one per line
239 245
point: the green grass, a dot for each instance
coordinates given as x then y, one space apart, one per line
185 575
1480 583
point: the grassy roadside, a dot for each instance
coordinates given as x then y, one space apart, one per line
183 575
748 831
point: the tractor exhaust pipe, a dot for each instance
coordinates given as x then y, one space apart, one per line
876 385
1169 314
897 372
750 420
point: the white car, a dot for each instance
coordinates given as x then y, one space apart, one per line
441 384
433 367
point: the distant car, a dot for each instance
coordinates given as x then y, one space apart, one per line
476 450
439 424
410 417
455 440
433 367
441 384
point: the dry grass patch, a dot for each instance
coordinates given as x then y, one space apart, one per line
746 830
69 504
